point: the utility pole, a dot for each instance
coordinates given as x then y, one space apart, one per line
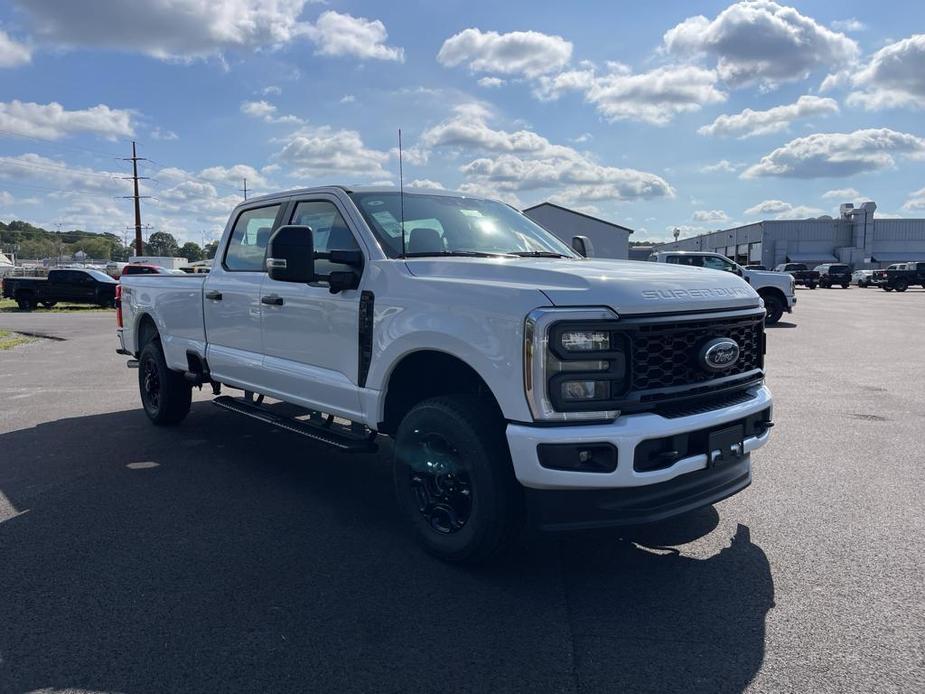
245 189
139 242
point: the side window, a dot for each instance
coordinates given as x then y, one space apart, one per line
331 232
718 264
694 260
248 243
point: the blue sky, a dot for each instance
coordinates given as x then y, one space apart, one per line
654 115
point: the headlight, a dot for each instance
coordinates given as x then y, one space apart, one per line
575 364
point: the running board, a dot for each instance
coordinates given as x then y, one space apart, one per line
317 432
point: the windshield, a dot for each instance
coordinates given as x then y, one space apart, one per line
838 268
444 225
101 276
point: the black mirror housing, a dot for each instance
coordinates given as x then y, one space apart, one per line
582 246
291 254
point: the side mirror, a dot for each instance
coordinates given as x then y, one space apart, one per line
582 246
291 255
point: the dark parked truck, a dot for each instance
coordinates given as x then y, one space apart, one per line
72 286
900 276
831 274
801 274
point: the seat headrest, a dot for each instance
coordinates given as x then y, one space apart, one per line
424 240
263 236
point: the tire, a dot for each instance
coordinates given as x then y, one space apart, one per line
774 309
812 286
49 304
471 509
886 288
844 285
25 303
901 285
165 394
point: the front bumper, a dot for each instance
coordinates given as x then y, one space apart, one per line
627 495
625 434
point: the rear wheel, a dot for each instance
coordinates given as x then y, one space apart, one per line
165 394
844 285
774 308
812 285
25 302
454 479
49 304
887 289
901 285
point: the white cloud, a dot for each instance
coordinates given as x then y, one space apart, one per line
783 210
491 82
838 154
163 134
53 122
527 53
581 139
710 216
655 97
6 198
12 52
235 175
324 150
894 77
184 29
841 194
339 34
723 165
67 179
916 201
267 112
348 99
749 123
523 160
272 90
761 41
426 183
848 25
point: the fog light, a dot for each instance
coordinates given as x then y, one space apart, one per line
576 457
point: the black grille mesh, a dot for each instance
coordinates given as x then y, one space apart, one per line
664 355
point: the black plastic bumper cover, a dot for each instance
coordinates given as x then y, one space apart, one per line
555 509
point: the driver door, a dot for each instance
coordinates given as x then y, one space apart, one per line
311 336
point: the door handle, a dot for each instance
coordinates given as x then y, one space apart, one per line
272 300
214 295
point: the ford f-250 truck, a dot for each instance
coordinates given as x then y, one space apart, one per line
776 289
518 379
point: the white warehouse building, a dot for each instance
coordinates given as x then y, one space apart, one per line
856 238
608 239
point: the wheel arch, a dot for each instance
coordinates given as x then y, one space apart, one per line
427 373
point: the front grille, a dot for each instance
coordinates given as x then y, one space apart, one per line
664 354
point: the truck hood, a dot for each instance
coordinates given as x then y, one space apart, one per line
769 278
628 287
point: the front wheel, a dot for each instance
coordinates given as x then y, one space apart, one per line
49 304
887 289
812 285
25 303
844 285
901 286
774 308
454 479
165 394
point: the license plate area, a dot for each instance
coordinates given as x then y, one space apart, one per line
726 445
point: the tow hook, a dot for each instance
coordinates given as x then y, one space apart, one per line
132 363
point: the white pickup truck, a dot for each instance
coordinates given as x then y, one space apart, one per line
519 380
776 289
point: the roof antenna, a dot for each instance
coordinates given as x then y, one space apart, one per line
401 194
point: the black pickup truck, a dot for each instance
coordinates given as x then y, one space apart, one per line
72 286
802 275
900 276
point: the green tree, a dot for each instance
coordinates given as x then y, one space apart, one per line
97 247
208 251
191 251
163 244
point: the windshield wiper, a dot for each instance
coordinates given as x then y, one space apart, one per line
464 254
540 254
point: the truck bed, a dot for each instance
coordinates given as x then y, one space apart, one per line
176 303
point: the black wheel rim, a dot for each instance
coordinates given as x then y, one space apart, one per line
151 383
440 487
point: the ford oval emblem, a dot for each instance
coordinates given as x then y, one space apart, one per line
719 354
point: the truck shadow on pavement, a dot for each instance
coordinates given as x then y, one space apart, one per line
224 556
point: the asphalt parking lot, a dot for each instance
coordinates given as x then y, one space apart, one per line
226 556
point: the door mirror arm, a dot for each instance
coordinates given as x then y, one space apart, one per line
342 280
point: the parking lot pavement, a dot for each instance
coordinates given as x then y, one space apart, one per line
226 556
